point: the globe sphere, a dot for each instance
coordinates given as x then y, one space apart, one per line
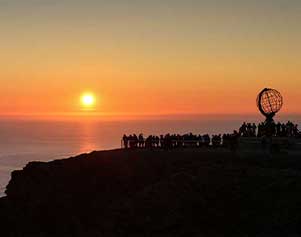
269 101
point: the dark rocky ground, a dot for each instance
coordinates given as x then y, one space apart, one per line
156 193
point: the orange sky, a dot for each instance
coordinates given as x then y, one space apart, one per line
176 57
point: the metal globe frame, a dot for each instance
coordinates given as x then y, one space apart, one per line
269 102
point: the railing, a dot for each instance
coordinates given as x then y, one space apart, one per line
243 141
173 142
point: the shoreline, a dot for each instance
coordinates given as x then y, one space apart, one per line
158 193
210 149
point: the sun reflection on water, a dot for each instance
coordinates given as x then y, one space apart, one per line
88 135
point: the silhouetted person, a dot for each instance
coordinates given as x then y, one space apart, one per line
125 141
135 141
254 127
295 130
206 139
141 140
157 141
278 129
233 140
200 140
243 129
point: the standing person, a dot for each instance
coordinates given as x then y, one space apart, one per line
200 140
206 140
243 129
278 129
125 141
161 141
130 141
157 141
254 127
283 130
249 130
141 140
259 130
295 130
135 141
234 140
167 141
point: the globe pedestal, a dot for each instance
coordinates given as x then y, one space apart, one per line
269 127
270 118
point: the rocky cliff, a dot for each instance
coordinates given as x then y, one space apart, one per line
155 193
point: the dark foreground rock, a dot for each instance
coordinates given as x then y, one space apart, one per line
155 193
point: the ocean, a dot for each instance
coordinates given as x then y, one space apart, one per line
25 140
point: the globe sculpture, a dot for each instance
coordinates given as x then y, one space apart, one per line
269 102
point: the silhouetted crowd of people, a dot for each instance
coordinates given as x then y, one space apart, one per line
229 140
288 129
169 141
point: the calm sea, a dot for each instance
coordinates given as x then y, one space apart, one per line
25 140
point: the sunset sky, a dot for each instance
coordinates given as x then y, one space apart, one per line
148 57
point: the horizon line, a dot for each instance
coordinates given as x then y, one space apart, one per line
98 115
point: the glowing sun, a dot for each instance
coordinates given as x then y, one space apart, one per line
88 99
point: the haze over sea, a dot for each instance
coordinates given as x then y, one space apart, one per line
34 139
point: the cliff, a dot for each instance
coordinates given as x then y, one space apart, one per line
155 193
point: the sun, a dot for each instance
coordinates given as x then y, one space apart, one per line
88 99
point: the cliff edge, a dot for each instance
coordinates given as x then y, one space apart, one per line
189 192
